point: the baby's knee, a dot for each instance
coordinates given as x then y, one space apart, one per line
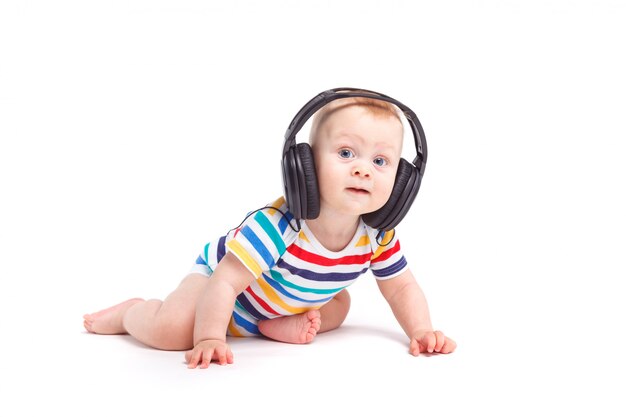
172 334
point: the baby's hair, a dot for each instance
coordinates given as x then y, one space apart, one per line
376 108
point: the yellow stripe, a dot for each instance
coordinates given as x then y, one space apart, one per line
276 204
271 294
232 329
303 237
364 241
388 236
244 257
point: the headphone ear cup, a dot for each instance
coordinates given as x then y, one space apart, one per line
307 178
402 195
290 182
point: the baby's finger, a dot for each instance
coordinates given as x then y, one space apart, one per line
441 339
229 355
206 358
449 346
414 347
428 341
193 358
220 355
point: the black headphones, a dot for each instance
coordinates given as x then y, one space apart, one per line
300 178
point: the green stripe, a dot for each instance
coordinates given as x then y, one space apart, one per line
271 232
206 256
279 278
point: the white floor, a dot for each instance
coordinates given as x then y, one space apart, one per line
131 133
517 356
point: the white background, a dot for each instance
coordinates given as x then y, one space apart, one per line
134 131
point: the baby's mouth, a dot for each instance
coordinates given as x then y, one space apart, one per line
357 190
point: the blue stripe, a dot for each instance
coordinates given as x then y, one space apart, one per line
258 245
247 306
221 248
200 261
283 223
390 270
250 327
316 276
282 290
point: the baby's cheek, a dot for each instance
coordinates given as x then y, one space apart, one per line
387 188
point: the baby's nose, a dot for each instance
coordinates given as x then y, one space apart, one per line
360 171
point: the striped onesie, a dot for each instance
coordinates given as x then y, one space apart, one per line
295 273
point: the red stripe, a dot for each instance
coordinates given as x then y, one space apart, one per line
388 253
261 302
313 258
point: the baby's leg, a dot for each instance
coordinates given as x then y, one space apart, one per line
302 328
164 324
109 320
335 311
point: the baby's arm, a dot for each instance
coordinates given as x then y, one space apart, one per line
408 303
214 310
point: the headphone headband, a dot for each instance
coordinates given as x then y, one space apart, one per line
327 96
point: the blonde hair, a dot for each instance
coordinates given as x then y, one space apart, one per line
376 108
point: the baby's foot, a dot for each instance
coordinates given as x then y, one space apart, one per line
300 328
109 321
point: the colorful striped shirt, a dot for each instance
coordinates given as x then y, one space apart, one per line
294 272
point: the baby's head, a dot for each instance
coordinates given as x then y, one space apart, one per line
357 146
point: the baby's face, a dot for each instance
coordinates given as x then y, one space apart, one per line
356 159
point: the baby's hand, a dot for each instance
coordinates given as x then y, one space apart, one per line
431 341
206 351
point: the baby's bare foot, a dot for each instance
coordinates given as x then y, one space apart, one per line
300 328
310 323
109 321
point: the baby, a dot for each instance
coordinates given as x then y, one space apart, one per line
283 272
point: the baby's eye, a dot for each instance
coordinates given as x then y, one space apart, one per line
380 161
346 153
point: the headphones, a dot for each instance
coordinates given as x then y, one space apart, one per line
300 178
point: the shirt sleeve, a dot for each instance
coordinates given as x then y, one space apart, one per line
387 258
262 238
210 256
